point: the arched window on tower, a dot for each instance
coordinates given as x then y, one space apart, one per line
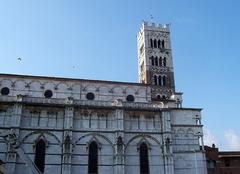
155 80
156 61
164 61
163 44
159 43
143 155
93 158
159 80
155 43
164 79
152 60
40 155
160 62
151 43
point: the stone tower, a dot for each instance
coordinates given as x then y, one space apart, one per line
155 66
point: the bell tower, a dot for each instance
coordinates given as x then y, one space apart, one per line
155 66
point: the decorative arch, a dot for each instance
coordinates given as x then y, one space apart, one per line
117 90
61 86
130 90
142 136
35 85
94 137
41 134
19 84
6 82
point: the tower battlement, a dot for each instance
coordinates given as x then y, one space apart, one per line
154 27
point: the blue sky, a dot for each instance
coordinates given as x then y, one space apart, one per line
98 38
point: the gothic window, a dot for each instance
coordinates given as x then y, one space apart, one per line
151 43
144 164
163 44
160 62
156 61
40 155
164 81
48 94
155 43
93 158
160 80
152 60
155 80
164 61
159 44
5 91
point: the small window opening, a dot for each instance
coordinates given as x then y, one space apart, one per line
90 96
144 164
160 62
164 81
40 155
155 43
130 98
159 44
152 60
156 61
163 44
5 91
151 43
93 158
164 61
160 80
227 163
155 80
48 94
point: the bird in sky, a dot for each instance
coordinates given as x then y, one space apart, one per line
19 59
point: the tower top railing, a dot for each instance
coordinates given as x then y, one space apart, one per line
151 26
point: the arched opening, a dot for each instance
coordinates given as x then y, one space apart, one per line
151 43
159 44
144 164
93 158
164 61
40 155
160 62
156 61
152 60
160 80
155 80
155 43
163 44
164 81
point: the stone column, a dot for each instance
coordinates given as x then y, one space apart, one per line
119 160
167 143
67 138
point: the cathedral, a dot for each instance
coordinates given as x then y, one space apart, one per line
55 125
